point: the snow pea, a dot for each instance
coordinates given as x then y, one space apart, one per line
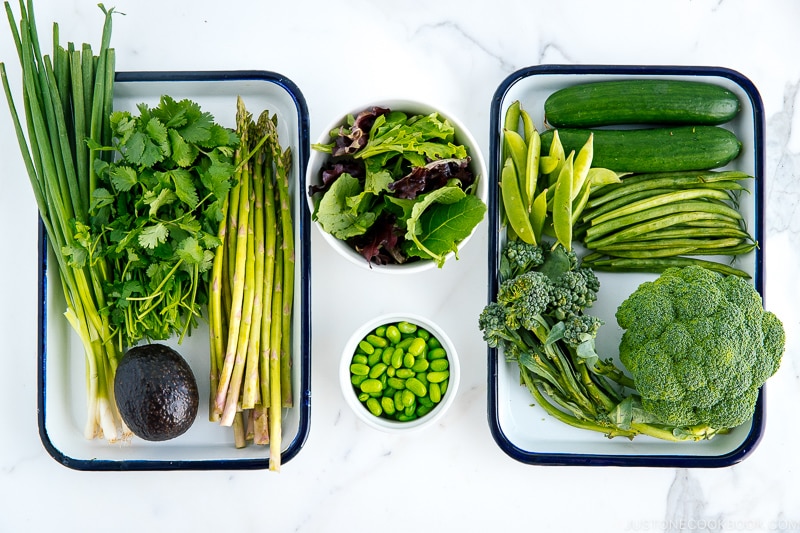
513 204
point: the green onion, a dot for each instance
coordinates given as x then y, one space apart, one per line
53 142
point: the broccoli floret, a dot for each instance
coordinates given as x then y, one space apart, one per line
525 298
580 328
519 256
699 345
492 322
572 292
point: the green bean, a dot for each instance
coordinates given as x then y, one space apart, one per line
682 180
673 213
677 232
698 241
659 200
659 265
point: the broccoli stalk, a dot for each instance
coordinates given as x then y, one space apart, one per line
539 321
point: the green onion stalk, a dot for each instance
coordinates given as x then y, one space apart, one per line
67 97
251 295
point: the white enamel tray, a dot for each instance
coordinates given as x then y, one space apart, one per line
62 399
526 432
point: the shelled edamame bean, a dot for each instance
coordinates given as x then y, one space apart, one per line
400 371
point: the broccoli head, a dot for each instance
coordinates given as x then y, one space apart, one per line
699 345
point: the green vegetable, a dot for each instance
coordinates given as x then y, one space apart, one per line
416 380
398 188
654 218
640 101
156 211
699 345
252 290
534 206
66 97
513 203
653 149
539 320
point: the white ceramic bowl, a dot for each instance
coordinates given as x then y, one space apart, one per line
477 164
382 423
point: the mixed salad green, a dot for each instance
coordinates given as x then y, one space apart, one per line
397 187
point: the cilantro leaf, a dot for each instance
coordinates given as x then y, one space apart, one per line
123 177
184 186
155 201
183 153
190 251
101 197
152 236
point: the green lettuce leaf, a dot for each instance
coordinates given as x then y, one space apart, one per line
437 225
343 210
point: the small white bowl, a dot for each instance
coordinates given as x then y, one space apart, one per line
477 163
386 424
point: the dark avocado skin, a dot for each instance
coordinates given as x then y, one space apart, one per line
156 392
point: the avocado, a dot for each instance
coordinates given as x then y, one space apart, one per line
156 392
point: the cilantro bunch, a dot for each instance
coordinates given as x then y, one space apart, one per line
155 214
397 187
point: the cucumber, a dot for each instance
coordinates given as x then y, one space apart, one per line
653 149
641 101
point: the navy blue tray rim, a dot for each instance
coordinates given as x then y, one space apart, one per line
663 460
301 158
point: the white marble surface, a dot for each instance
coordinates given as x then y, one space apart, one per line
452 477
